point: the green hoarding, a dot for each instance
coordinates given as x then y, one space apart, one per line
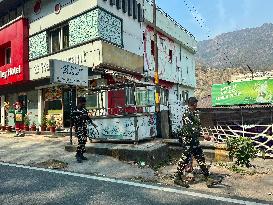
243 93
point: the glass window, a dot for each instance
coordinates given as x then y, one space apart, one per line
124 5
59 38
66 36
151 97
8 55
12 15
170 56
55 40
164 97
53 107
152 47
1 21
92 101
130 97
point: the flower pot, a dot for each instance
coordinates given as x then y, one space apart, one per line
33 128
43 128
26 128
8 128
52 129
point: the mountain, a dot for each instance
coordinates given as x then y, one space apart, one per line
251 46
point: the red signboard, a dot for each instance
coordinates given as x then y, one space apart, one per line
14 66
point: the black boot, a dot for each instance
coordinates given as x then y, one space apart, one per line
210 182
83 157
78 157
180 181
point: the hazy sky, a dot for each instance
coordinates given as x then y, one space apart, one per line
218 16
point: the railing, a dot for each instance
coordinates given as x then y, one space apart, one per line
260 134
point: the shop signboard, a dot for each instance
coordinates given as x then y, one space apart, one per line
14 67
66 73
243 93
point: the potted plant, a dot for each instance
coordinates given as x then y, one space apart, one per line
26 123
51 122
43 123
33 127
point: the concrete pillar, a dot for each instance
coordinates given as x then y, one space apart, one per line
2 110
40 106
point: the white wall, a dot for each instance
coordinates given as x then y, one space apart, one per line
47 18
182 68
132 29
177 104
168 26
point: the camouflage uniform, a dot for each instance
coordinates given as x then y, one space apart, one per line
80 119
189 135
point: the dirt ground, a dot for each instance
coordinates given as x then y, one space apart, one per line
45 151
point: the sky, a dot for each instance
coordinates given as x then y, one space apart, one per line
218 16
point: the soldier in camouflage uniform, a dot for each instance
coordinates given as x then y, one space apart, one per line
80 119
189 138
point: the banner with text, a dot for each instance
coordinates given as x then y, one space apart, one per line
243 93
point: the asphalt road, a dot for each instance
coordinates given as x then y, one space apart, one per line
25 185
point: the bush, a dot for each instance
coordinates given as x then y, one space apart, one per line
242 149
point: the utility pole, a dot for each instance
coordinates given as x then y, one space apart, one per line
252 73
156 76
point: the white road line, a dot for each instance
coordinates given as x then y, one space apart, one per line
154 187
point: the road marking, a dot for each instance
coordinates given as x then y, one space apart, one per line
136 184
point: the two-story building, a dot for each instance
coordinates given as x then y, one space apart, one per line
112 38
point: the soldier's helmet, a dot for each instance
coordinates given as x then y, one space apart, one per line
192 100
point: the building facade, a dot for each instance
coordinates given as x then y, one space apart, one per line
112 38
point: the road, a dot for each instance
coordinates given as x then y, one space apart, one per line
28 185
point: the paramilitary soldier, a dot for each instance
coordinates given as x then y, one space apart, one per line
189 137
80 119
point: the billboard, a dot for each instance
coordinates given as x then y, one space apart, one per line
243 93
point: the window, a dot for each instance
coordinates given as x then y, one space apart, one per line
92 101
8 55
53 107
180 56
185 95
152 47
118 4
134 9
66 36
164 97
139 13
5 54
170 56
144 97
130 96
112 2
59 39
124 5
130 7
11 15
